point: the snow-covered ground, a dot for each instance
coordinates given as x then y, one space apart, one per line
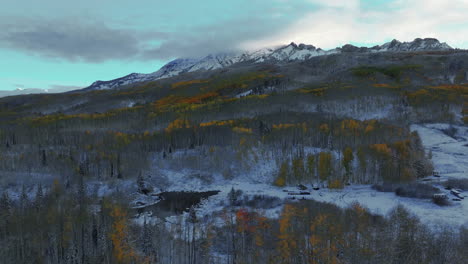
376 202
449 155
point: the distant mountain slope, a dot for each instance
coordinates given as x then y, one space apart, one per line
289 52
37 91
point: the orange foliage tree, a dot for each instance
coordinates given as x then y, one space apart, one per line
287 241
122 250
177 124
325 240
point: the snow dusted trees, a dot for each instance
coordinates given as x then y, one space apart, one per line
148 247
312 232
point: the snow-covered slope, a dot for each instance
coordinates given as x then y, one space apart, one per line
449 147
415 45
289 52
298 52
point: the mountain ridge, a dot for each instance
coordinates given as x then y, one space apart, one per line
284 53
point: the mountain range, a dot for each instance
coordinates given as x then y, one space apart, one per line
291 52
284 53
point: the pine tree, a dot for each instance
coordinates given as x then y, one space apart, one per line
5 203
233 196
44 158
348 157
38 202
24 201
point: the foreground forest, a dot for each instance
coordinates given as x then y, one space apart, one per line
79 171
69 227
61 227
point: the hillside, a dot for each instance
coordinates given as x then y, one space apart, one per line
333 102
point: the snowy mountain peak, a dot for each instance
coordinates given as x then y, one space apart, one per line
290 52
417 44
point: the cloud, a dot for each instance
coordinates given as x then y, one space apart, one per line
85 39
339 22
95 42
221 37
64 39
229 34
323 23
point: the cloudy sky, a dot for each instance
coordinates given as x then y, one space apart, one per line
59 45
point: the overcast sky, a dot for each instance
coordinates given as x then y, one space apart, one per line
57 44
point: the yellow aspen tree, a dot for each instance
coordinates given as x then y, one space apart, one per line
122 251
324 128
324 240
324 166
298 169
287 242
281 179
361 234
